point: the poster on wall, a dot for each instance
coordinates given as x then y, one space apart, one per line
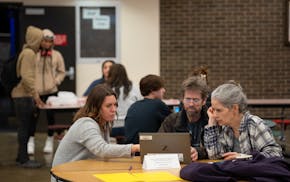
98 33
60 40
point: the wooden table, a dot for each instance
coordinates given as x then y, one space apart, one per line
84 170
171 102
282 103
82 100
61 126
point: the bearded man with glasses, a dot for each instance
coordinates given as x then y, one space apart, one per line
192 117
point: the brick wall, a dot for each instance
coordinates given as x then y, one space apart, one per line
242 40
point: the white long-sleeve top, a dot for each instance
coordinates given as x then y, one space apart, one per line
85 140
124 104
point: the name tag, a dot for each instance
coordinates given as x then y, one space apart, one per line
160 161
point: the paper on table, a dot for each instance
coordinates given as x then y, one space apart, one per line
243 156
160 161
134 177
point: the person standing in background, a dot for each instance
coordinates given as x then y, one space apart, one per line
50 72
146 115
127 94
193 116
105 72
25 95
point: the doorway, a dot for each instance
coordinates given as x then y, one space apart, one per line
9 46
61 20
15 18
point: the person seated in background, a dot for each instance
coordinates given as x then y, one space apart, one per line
105 72
232 129
127 94
202 72
89 135
146 115
193 117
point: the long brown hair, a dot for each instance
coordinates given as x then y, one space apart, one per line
118 78
94 103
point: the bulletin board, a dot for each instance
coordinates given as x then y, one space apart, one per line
97 33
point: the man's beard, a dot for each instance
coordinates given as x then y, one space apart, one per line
193 115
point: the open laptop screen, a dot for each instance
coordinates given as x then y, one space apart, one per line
152 143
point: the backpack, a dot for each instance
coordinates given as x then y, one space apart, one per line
8 75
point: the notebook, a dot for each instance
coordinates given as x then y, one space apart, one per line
154 143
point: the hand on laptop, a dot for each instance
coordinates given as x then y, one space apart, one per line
135 148
193 154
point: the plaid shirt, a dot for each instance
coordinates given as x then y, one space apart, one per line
254 136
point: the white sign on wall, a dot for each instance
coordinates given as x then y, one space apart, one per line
89 13
101 22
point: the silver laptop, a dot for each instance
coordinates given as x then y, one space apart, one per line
152 143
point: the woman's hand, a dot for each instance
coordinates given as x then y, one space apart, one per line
135 148
211 120
230 155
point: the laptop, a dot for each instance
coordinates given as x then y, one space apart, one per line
154 143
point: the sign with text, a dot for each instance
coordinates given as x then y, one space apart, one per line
160 161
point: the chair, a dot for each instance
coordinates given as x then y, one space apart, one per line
284 122
60 129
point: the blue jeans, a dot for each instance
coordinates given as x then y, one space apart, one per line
25 114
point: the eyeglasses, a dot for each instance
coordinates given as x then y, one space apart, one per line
194 100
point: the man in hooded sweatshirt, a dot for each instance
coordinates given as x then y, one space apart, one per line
25 95
50 72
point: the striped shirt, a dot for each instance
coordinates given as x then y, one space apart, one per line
254 136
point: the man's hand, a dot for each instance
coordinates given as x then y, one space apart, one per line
38 102
194 154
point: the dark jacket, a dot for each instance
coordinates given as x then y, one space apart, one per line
178 122
93 84
144 116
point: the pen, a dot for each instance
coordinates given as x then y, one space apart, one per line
130 170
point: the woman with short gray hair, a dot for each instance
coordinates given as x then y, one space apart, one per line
232 130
